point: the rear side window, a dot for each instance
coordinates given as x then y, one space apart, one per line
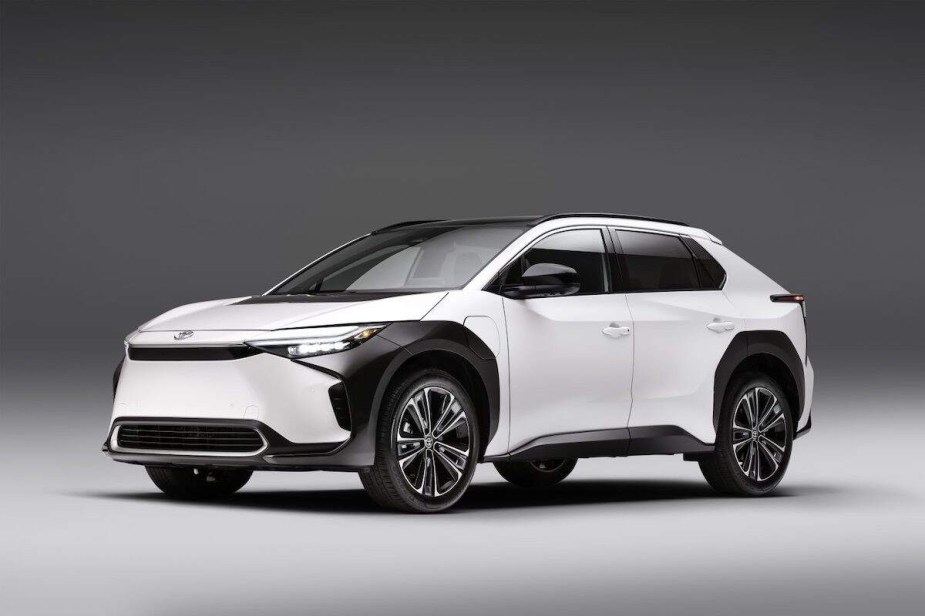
581 249
712 275
656 262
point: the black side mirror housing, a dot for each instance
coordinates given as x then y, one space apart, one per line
544 280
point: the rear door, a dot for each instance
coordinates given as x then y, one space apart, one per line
683 324
571 357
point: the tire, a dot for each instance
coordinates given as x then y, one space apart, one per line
423 481
197 483
733 467
536 473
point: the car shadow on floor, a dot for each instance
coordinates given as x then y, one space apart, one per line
479 497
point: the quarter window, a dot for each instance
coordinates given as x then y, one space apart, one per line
581 249
656 262
712 275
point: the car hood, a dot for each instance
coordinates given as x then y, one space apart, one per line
260 313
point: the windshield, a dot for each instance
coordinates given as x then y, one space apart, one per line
404 260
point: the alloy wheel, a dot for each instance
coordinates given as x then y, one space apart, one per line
759 434
432 441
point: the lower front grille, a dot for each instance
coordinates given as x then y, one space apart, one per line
187 438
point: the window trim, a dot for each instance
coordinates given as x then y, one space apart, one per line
624 270
494 286
688 241
286 280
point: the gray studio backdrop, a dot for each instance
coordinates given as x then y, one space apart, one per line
158 154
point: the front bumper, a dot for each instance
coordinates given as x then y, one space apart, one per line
301 410
295 404
293 399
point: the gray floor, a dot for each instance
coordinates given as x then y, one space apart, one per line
845 535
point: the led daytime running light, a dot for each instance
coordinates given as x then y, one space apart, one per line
326 340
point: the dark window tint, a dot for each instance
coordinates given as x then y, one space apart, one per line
582 250
712 275
657 262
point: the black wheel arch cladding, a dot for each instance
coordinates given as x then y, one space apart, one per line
748 346
368 369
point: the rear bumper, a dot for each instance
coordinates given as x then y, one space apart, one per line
805 429
806 420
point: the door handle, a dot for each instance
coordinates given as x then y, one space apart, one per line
615 331
721 326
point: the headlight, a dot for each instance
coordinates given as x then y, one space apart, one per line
308 342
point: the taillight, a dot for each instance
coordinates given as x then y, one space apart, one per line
794 298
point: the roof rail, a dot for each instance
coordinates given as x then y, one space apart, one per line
407 223
608 215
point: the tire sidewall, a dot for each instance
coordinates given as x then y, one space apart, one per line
527 475
186 483
724 438
429 378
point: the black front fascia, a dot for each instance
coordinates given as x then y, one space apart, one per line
362 371
367 370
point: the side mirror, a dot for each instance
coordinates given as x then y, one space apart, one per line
544 280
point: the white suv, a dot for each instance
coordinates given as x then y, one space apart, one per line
416 351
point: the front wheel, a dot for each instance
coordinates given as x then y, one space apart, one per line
536 473
753 440
427 445
197 483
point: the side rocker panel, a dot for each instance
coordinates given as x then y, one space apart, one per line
620 442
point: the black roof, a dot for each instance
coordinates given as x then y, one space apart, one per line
526 221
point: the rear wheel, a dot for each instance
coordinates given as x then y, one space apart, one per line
427 445
536 473
753 441
197 483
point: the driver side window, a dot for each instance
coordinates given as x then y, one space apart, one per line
581 249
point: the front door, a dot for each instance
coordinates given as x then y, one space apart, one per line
571 357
